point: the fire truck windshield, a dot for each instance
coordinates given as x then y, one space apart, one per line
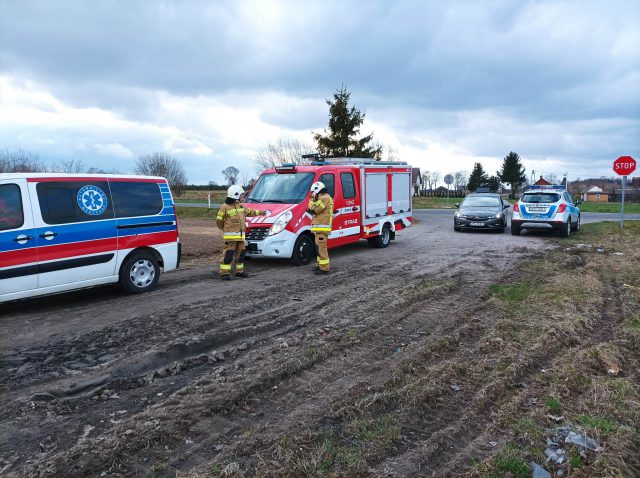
281 188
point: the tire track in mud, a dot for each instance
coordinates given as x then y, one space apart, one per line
251 337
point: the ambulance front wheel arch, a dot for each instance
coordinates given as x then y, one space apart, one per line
140 271
304 249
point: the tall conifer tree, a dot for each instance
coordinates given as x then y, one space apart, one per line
344 127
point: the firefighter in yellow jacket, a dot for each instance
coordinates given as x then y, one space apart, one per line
321 209
231 219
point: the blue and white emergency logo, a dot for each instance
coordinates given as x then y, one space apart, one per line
92 200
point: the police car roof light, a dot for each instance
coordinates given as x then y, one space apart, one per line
538 187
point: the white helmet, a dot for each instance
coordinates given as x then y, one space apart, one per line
235 192
317 187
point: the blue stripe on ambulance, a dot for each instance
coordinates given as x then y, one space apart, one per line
87 231
8 243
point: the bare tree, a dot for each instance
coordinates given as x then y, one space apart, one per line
69 166
426 180
245 179
435 178
284 151
20 161
459 180
165 165
231 174
387 153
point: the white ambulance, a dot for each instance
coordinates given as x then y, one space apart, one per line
60 232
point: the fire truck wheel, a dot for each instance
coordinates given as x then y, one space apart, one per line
139 273
384 238
303 250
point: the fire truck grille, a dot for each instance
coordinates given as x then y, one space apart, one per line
257 233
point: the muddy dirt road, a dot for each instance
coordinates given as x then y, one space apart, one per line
201 376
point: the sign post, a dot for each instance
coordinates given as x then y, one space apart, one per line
448 179
624 166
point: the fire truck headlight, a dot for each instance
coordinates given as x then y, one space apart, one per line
280 223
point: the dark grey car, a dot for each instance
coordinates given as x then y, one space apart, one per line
481 211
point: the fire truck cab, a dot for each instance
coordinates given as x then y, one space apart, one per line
371 200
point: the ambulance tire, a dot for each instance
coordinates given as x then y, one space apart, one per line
384 238
139 273
303 250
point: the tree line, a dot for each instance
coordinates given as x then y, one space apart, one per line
152 164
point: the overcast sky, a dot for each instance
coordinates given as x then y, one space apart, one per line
445 83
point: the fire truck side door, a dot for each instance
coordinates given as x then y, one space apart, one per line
347 208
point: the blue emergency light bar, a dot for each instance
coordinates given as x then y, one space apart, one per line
538 187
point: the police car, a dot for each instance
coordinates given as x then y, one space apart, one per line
546 208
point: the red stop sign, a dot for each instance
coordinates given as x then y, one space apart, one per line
624 165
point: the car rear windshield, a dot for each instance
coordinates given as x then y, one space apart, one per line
481 201
537 198
281 188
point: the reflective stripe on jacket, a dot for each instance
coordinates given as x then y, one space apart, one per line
231 219
322 213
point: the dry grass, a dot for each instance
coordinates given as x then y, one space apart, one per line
577 310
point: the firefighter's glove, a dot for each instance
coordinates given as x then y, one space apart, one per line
310 211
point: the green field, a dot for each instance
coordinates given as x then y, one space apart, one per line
217 197
201 197
608 207
195 213
435 203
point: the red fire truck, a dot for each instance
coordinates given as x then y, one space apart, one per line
371 200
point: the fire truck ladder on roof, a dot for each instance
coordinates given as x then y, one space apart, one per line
314 160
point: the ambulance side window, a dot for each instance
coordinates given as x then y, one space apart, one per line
330 183
133 199
11 216
348 185
68 202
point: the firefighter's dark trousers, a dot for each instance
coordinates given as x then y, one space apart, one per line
232 257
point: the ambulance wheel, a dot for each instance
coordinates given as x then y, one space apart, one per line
139 273
303 250
384 238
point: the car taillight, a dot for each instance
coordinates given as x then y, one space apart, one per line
562 208
516 208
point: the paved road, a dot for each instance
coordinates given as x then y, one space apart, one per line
587 217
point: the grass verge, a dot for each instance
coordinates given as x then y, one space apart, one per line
579 306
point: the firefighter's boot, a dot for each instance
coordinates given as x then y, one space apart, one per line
242 274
